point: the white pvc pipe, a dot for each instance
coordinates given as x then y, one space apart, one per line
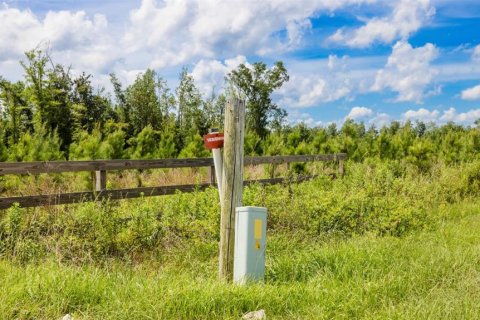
218 163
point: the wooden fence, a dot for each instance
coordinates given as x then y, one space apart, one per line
100 168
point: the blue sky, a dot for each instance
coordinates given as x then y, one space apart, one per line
370 60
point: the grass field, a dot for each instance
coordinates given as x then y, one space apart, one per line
430 274
387 241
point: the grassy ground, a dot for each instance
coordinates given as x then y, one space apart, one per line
430 274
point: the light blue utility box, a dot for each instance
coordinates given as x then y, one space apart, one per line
250 243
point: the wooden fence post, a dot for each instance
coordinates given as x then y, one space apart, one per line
232 186
211 175
100 180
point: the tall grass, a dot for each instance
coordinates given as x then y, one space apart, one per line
425 275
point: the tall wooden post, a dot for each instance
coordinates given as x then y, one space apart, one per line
232 186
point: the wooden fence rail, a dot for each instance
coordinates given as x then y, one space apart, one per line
100 167
37 167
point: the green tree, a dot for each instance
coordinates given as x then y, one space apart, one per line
57 114
257 83
48 91
145 144
191 117
35 75
274 144
123 108
89 109
194 148
147 102
37 146
144 102
15 109
421 154
383 144
350 133
213 110
477 123
113 145
3 141
253 144
320 140
167 147
95 145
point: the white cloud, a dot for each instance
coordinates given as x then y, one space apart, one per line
476 53
175 31
458 71
467 117
358 113
295 117
12 69
408 71
167 34
407 16
380 119
471 93
336 63
321 90
369 116
296 30
308 91
209 75
325 80
314 82
449 115
421 114
72 36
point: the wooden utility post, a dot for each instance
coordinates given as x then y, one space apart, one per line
232 187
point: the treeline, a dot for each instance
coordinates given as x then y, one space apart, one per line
53 115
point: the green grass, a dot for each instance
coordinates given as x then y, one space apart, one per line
430 274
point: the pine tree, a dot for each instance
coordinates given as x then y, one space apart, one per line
39 146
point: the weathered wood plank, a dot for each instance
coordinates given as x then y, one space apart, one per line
76 197
107 165
118 194
295 158
98 165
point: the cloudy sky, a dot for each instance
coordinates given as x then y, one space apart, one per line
370 60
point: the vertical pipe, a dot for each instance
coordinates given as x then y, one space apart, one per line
218 162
